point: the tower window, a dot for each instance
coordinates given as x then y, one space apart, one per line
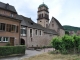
46 16
42 16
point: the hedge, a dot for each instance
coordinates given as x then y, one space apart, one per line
10 50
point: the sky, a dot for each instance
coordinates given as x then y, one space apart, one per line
67 12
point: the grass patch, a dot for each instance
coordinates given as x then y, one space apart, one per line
48 56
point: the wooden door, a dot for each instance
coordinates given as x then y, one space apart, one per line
12 41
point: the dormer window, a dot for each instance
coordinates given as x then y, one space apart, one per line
12 15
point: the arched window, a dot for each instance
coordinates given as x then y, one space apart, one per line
42 16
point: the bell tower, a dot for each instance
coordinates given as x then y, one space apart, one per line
43 15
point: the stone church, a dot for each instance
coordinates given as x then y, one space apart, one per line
42 32
17 29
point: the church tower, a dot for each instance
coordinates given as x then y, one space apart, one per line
43 15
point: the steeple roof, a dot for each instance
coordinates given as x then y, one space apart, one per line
43 5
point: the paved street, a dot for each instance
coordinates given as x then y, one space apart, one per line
28 54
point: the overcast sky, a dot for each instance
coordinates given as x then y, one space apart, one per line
66 11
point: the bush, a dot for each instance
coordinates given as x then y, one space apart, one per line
67 44
9 50
56 43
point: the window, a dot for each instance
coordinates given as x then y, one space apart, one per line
31 40
23 32
40 32
8 27
0 39
52 25
11 28
12 15
36 32
17 29
2 26
46 16
47 25
5 39
42 16
30 32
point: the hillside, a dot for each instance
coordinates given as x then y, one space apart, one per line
71 28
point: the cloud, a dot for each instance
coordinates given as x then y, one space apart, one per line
64 10
29 7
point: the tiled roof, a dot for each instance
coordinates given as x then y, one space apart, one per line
29 23
7 7
17 17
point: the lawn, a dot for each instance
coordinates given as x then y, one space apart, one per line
48 56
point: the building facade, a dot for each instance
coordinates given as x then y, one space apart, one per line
9 25
20 30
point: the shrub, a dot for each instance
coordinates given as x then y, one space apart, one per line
68 41
67 44
9 50
56 43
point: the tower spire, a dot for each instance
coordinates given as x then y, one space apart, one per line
43 1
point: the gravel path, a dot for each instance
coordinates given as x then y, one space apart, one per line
28 54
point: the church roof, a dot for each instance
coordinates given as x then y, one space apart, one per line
43 5
29 23
7 7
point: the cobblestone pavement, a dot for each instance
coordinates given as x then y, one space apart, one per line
28 54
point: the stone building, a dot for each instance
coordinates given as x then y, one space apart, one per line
20 30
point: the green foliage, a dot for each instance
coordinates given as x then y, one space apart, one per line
68 41
71 28
67 44
56 43
9 50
